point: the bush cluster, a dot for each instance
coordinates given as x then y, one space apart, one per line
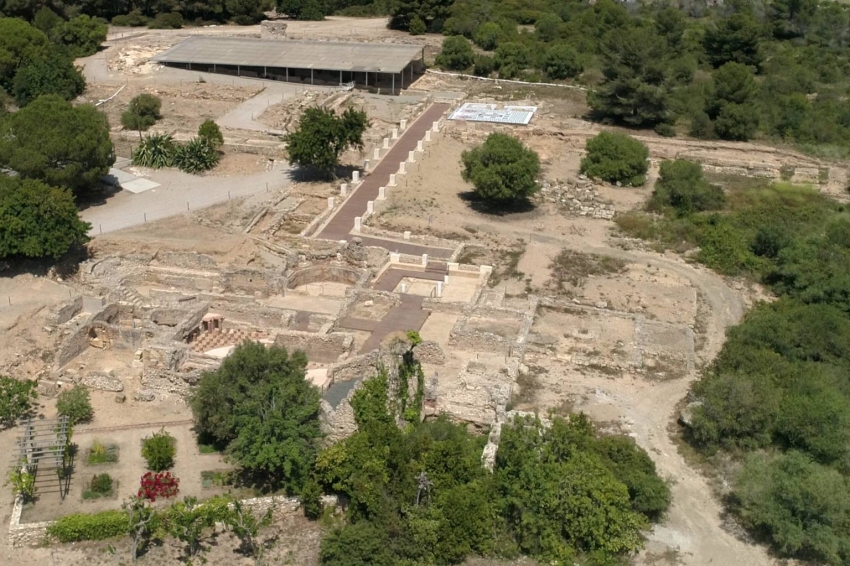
616 158
80 527
159 450
75 403
502 170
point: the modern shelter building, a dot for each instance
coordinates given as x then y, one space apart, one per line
382 67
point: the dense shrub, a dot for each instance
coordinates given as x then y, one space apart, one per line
75 403
80 527
16 398
562 62
134 18
682 186
484 65
159 450
501 169
196 156
456 54
487 36
155 151
53 75
416 26
803 508
511 58
210 131
616 158
160 485
166 20
142 113
736 122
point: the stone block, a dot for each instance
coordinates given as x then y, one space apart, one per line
144 395
120 398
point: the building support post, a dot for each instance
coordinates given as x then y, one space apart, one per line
367 79
237 70
393 91
311 76
340 78
265 72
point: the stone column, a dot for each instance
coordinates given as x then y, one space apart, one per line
411 156
424 260
403 125
407 234
395 133
330 202
357 222
392 180
355 176
428 135
419 146
377 153
386 143
435 127
343 189
382 193
401 168
439 289
370 207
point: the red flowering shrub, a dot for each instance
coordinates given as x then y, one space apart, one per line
162 484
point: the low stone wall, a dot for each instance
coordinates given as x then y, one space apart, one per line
357 367
190 322
77 338
25 534
101 381
429 352
65 313
322 348
324 273
252 282
185 260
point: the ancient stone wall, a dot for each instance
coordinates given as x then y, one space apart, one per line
429 352
355 368
252 282
65 313
322 348
273 29
185 260
321 273
190 322
75 340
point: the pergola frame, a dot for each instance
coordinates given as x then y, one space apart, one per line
44 445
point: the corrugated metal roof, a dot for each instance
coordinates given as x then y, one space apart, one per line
324 55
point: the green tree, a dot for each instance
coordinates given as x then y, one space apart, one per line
37 220
210 131
456 54
322 136
511 58
195 156
81 36
734 39
634 67
502 170
616 158
547 27
75 403
801 506
142 113
734 83
261 408
187 520
737 122
302 9
19 42
682 186
54 75
16 398
46 19
60 144
488 35
562 62
416 26
433 13
141 523
630 464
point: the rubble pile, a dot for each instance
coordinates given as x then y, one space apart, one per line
578 196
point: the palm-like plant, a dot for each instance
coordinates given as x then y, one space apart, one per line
155 151
196 156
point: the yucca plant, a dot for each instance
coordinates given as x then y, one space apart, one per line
155 151
196 156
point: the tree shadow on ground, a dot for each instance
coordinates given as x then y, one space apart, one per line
64 267
97 197
342 173
478 204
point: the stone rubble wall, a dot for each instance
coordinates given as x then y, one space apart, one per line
75 339
321 348
65 312
579 197
429 352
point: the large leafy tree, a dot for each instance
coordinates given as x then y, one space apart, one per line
456 54
52 75
322 136
634 65
734 83
142 112
60 144
261 409
502 170
80 36
19 42
682 186
37 220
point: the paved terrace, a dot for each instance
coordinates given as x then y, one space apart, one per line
342 223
